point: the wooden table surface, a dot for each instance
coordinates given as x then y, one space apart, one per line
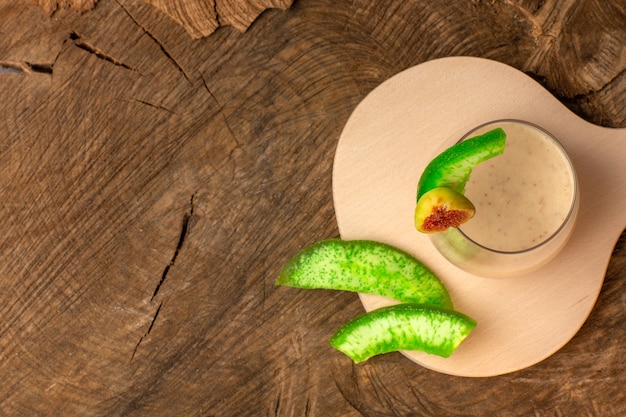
153 184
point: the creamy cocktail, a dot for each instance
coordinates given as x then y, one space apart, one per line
526 202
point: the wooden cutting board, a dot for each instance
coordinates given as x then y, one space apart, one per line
401 125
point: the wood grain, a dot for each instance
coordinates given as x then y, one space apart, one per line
199 17
153 185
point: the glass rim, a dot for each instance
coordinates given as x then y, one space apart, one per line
575 196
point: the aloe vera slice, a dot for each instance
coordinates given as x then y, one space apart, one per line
364 266
452 167
403 327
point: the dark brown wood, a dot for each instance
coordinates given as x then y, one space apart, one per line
199 17
153 185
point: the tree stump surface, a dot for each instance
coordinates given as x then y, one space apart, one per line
154 184
199 18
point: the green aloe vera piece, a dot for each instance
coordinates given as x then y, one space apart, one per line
365 266
403 327
452 167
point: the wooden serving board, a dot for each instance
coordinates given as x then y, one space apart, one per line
401 125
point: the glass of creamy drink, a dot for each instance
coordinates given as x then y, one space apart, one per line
526 205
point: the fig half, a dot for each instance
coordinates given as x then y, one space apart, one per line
442 208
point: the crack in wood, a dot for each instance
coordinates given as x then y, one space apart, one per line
156 314
224 118
153 105
155 40
86 46
26 67
154 317
206 87
277 406
217 14
39 68
181 241
11 68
